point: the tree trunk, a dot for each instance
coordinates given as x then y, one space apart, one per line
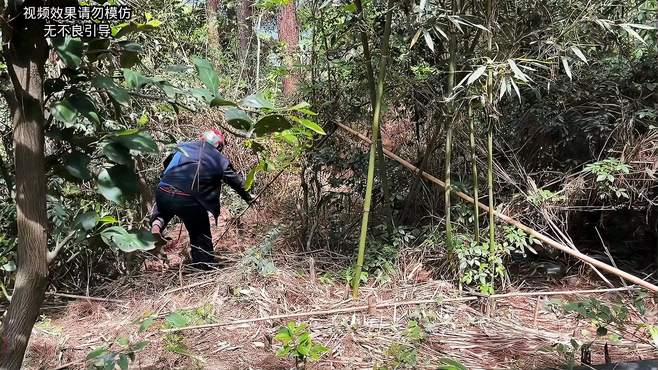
25 53
211 19
245 28
289 35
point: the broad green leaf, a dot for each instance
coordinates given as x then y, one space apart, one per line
134 79
119 94
76 164
117 237
221 102
146 324
516 88
238 118
448 364
122 341
639 26
579 53
251 176
70 50
140 345
309 125
117 183
270 124
123 362
86 221
63 111
207 74
203 94
117 153
107 220
97 353
257 101
85 106
177 320
141 141
567 69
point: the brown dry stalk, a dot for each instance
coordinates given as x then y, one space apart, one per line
589 260
366 307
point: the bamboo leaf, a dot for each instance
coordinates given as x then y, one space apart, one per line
639 26
516 88
415 38
428 40
633 33
456 23
579 53
422 4
517 72
567 69
476 74
503 87
441 32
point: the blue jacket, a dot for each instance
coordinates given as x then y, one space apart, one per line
199 169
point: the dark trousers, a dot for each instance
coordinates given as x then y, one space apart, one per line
195 218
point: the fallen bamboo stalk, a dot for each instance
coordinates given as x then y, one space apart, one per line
591 261
366 307
73 296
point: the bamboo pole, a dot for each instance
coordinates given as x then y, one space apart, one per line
589 260
356 280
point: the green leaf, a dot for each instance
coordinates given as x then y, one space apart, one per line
579 53
86 221
76 164
448 364
221 102
238 118
140 345
70 50
203 94
256 101
309 125
270 124
251 176
119 94
117 237
428 40
177 320
122 341
97 353
107 220
117 153
117 183
146 324
123 362
141 141
207 74
134 79
476 74
63 111
85 106
517 72
9 266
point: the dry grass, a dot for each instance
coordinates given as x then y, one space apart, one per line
481 335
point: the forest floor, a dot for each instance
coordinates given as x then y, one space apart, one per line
514 331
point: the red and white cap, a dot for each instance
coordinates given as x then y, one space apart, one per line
213 137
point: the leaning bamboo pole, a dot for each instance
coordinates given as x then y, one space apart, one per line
589 260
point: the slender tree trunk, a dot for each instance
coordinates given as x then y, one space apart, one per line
211 18
474 172
373 149
490 130
25 54
245 28
289 35
381 159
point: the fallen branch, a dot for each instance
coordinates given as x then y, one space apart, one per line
73 296
369 307
589 260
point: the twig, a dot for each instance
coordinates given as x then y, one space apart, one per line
199 283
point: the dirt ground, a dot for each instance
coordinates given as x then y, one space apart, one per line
513 332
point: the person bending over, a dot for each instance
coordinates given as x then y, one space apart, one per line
189 188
